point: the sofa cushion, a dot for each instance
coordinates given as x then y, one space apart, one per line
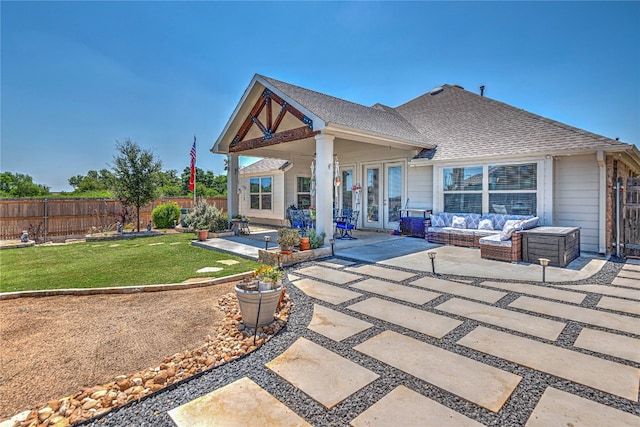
494 240
459 222
473 219
437 220
508 229
498 221
530 223
485 224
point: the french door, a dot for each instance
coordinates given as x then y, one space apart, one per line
384 190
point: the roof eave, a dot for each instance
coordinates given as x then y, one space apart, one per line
622 148
347 132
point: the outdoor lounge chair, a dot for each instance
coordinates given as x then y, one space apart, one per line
345 224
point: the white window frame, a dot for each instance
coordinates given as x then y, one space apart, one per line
539 191
260 193
303 192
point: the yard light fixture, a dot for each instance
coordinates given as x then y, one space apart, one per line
543 262
432 256
332 242
267 239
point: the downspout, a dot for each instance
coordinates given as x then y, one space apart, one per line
602 203
618 217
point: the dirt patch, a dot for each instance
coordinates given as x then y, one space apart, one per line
53 346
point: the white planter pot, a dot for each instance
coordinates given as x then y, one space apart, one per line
249 301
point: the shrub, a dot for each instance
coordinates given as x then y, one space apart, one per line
288 237
206 217
315 240
166 215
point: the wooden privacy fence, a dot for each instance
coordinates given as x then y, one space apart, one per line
71 217
631 211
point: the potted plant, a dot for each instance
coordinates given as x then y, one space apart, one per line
259 295
287 239
204 218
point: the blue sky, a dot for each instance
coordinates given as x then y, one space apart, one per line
79 76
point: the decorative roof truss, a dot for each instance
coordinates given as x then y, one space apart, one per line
269 130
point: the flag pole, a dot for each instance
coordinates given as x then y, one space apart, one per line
194 170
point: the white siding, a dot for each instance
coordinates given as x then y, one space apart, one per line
301 167
575 197
420 187
277 211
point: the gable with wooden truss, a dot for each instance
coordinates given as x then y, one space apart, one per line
271 121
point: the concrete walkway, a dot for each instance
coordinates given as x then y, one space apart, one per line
411 349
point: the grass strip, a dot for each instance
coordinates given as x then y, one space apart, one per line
137 262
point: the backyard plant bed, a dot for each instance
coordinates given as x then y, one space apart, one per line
161 259
51 371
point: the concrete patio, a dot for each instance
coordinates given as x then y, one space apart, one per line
399 251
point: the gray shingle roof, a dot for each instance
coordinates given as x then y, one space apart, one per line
264 165
465 125
384 121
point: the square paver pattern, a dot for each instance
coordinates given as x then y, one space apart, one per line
322 291
239 404
579 314
393 290
610 377
559 408
328 274
539 291
335 325
404 407
476 382
320 373
618 304
408 317
467 291
381 272
612 344
521 322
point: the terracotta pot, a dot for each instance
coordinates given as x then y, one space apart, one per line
286 250
304 244
202 235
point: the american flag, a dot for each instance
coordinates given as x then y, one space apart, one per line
192 179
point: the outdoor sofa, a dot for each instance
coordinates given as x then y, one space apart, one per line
497 235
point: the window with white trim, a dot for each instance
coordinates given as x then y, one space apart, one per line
463 189
303 192
260 192
508 189
513 189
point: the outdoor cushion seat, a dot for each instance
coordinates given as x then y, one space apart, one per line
494 240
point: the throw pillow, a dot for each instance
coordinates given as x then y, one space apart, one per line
485 224
515 223
506 232
459 222
437 221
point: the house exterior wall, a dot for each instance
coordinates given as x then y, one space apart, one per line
277 211
301 168
420 187
576 197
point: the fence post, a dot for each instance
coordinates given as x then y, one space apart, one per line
45 220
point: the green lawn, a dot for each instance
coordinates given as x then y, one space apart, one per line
142 261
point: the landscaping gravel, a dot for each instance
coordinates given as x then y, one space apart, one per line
152 411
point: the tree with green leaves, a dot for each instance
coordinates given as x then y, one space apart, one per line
136 175
20 185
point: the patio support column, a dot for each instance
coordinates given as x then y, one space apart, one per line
324 183
602 203
232 185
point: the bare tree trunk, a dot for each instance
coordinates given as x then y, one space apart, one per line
138 215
